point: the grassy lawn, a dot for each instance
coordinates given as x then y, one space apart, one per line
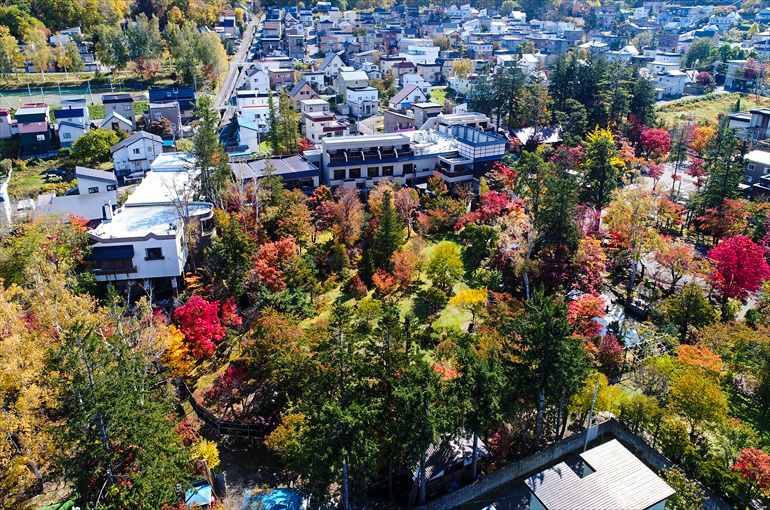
28 182
51 80
409 301
707 107
438 95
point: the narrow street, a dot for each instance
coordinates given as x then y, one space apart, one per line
222 100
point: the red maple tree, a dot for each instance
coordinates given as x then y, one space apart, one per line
582 315
740 267
655 142
754 466
199 320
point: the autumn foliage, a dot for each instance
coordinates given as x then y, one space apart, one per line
740 267
582 314
198 319
754 466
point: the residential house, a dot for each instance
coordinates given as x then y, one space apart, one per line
322 124
251 98
395 122
425 111
430 72
399 69
756 165
480 49
281 78
228 27
302 90
145 243
270 44
416 79
669 84
122 104
314 105
6 124
73 121
96 190
183 96
170 111
314 77
133 156
296 171
257 79
116 121
35 132
607 476
406 97
351 79
296 45
331 65
362 100
734 77
447 463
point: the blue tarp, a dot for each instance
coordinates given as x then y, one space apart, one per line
276 499
198 496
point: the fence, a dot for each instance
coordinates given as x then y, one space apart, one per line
223 427
546 458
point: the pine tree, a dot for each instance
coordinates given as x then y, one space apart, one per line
600 171
557 219
230 256
389 234
724 165
210 154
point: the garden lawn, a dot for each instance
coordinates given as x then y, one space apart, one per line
707 107
438 95
29 182
408 303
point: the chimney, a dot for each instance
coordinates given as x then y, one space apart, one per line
107 211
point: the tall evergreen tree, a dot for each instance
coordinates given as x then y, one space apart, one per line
600 171
642 101
211 155
116 442
230 256
547 357
724 165
558 213
389 234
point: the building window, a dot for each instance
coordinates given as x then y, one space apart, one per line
153 254
93 190
126 107
66 136
751 166
355 173
387 171
41 138
137 151
158 115
112 187
747 178
373 171
409 168
339 175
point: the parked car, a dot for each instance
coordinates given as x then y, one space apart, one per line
56 171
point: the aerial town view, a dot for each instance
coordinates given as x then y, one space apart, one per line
500 255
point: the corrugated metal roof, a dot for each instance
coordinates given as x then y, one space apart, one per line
620 480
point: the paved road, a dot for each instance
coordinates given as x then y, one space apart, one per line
221 102
367 125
